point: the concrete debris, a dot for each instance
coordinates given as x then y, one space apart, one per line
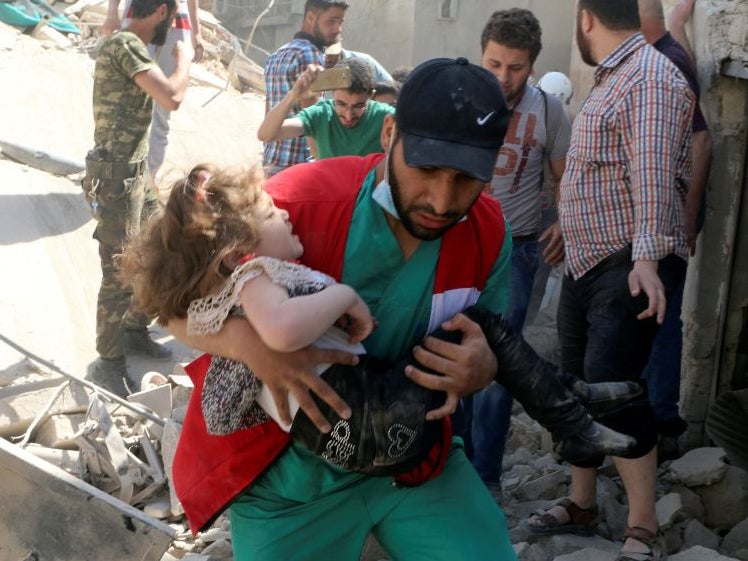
702 466
736 539
695 533
698 553
692 518
726 502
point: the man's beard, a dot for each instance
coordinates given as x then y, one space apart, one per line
159 34
319 37
584 45
513 97
414 229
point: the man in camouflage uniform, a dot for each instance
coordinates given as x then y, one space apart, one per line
116 184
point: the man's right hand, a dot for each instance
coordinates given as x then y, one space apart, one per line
295 374
283 373
300 88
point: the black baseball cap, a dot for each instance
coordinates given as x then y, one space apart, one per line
452 114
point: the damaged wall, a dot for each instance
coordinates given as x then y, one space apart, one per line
716 294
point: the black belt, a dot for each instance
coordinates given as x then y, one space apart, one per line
525 238
107 169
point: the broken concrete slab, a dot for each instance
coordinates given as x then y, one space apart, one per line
59 431
698 553
703 466
726 502
68 460
21 402
695 533
587 554
736 539
57 516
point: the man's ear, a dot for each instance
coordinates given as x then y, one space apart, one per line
587 21
388 132
309 18
162 10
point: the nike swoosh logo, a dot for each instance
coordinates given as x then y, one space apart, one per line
482 120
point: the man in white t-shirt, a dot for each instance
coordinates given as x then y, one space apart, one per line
539 130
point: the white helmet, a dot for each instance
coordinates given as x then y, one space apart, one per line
557 84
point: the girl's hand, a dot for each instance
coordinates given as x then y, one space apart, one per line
357 321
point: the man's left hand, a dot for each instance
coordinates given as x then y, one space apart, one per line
466 367
644 277
554 251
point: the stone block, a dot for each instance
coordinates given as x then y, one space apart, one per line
69 460
62 518
670 510
587 554
695 533
59 430
726 502
702 466
691 502
737 538
169 442
698 553
522 549
673 538
541 487
564 544
21 402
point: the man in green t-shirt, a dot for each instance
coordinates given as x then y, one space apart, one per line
348 124
126 81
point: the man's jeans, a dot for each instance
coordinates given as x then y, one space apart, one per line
492 407
603 341
522 276
663 369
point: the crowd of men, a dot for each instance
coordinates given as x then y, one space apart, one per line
629 179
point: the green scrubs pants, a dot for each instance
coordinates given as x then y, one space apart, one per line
305 509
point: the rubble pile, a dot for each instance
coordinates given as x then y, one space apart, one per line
223 65
702 503
123 448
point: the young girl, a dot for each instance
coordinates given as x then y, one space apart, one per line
221 247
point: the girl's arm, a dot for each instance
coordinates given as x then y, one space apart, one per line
287 324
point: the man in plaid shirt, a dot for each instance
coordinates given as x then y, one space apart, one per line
321 27
622 217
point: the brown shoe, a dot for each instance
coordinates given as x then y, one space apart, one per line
582 521
651 540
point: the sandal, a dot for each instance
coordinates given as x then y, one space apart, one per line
650 539
582 521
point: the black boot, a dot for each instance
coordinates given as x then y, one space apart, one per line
549 395
602 398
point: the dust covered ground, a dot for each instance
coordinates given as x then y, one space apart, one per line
49 261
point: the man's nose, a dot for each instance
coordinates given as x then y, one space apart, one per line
441 196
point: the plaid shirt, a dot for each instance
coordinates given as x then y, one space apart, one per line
282 69
629 162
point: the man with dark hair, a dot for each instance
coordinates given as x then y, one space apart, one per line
621 205
387 92
321 27
538 133
117 186
663 371
414 235
348 124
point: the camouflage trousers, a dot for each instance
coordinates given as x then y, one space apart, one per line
121 198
